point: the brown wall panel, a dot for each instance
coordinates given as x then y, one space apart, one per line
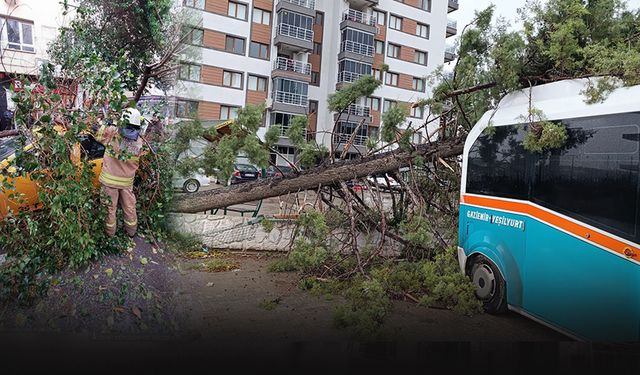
405 81
256 97
211 75
409 26
217 6
208 111
407 53
261 33
214 39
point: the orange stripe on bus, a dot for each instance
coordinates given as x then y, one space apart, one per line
576 229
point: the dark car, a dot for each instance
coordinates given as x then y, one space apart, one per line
273 171
244 173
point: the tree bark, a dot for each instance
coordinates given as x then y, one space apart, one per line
312 178
8 133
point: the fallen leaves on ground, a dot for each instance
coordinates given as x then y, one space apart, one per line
216 265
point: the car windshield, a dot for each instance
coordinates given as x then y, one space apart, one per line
246 168
7 147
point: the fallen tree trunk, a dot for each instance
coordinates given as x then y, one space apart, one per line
313 178
8 133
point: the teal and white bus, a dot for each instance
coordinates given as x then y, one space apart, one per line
556 235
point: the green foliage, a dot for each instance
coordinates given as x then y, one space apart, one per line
177 242
284 264
391 120
296 131
311 250
543 135
347 95
138 30
68 229
417 230
267 225
367 305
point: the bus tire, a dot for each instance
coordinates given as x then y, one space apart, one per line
490 286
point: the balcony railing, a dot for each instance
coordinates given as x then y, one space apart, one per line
348 77
360 17
311 4
285 129
358 140
290 65
295 32
358 110
452 24
355 47
450 49
291 98
453 5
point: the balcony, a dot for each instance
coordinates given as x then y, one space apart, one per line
449 54
453 6
292 69
357 48
355 113
452 28
284 130
306 7
289 102
297 38
348 77
358 140
359 20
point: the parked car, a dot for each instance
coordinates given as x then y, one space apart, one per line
244 173
87 148
191 184
384 184
273 171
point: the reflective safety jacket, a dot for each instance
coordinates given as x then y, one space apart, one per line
121 158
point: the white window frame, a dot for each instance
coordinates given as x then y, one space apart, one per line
232 79
369 103
391 79
198 4
388 104
422 30
421 53
20 46
394 21
233 10
260 14
253 83
425 5
192 71
393 50
421 83
377 74
228 112
379 43
380 17
417 112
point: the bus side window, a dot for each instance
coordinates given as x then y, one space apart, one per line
497 164
594 178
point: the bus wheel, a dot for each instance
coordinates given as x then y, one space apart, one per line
490 286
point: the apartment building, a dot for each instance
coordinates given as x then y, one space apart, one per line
291 54
26 29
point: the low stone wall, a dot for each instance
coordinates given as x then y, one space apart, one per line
238 233
233 232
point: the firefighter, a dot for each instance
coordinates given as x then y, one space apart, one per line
120 163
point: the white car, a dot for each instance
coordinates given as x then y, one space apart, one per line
381 182
192 183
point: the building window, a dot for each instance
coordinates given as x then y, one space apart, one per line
373 104
315 78
418 84
357 41
186 109
189 72
388 104
256 83
417 112
420 58
393 50
295 19
232 79
313 106
317 48
380 17
377 74
422 30
237 10
228 113
234 45
261 16
17 35
194 36
351 70
199 4
395 22
319 18
391 79
425 4
379 47
259 50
